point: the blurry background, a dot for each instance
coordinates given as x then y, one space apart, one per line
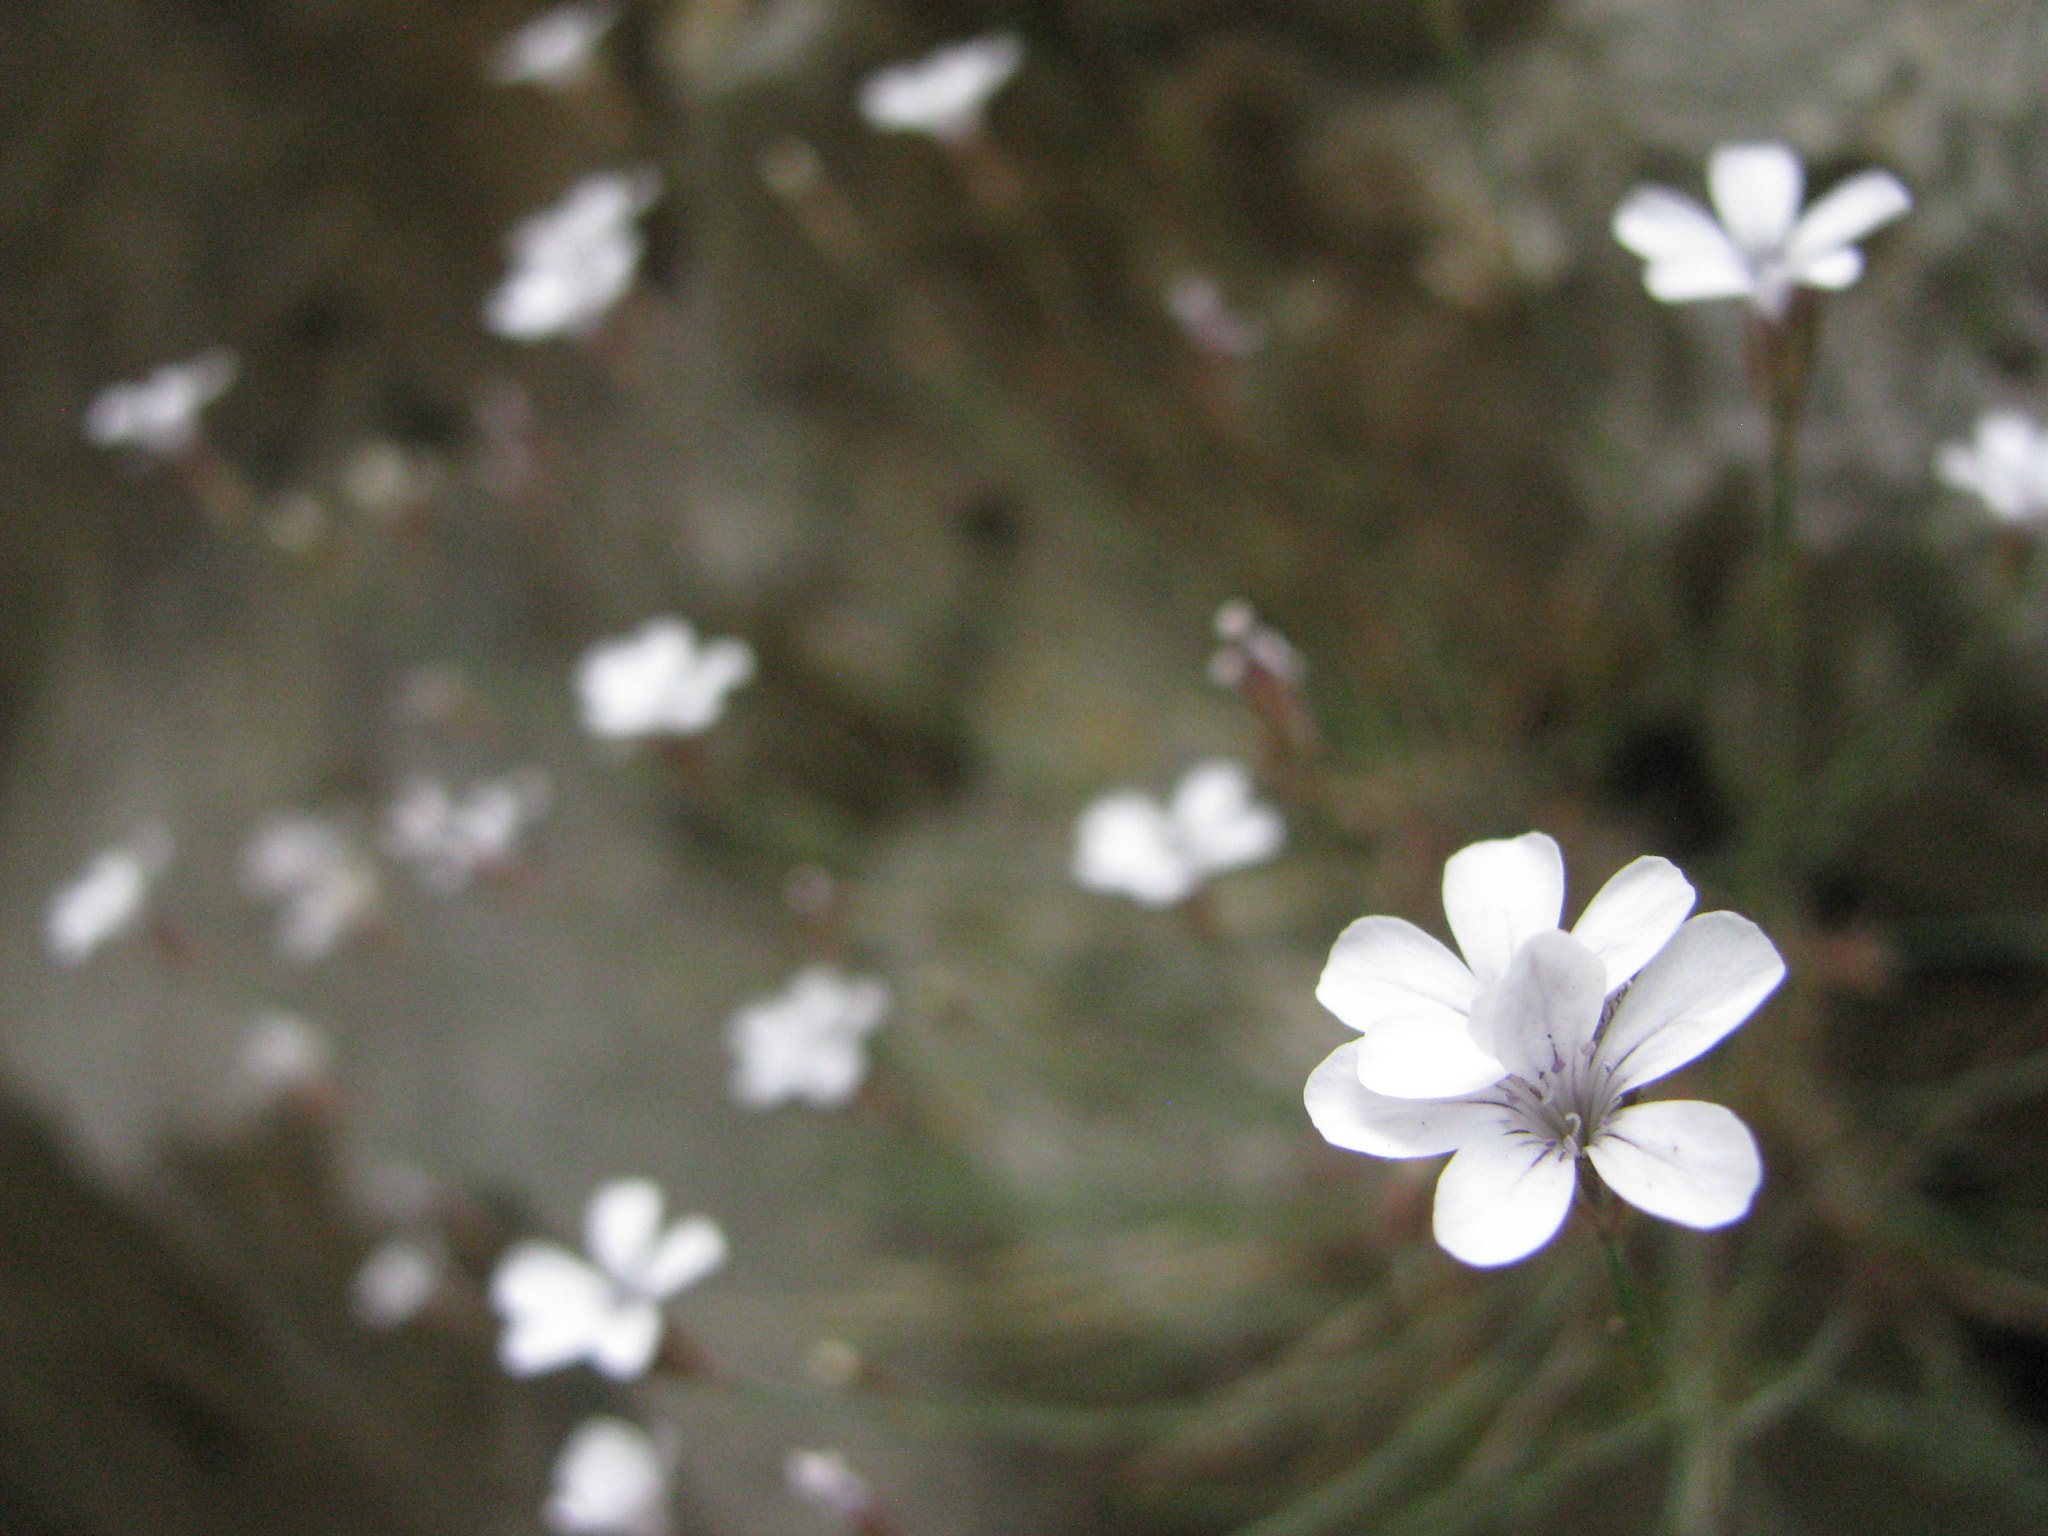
1311 303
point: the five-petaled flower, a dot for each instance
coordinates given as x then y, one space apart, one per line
610 1479
808 1041
2005 465
1761 246
571 263
559 1309
945 92
1526 1056
1128 844
160 414
661 681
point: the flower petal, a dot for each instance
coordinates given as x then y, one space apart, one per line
1501 1198
1681 1159
1421 1058
1384 968
1661 225
1695 278
688 1251
1850 210
553 1305
626 1340
1545 1010
1498 894
620 1225
1713 974
1218 823
1634 916
1353 1117
1124 845
1756 190
1832 270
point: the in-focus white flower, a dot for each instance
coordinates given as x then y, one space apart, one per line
571 263
808 1041
160 414
559 1309
106 898
449 838
1526 1056
554 49
1761 247
945 92
609 1480
395 1281
2005 465
323 882
660 681
1128 844
827 1482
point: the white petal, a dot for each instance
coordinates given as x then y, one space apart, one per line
688 1252
1634 916
553 1304
1419 1058
1497 895
1501 1198
620 1226
1756 190
1683 1160
1692 279
1384 968
1124 845
1545 1010
1713 974
1848 212
1661 225
1218 823
626 1340
1832 270
1352 1116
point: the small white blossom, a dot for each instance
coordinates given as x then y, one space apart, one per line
395 1281
106 898
450 838
571 263
1761 247
945 92
609 1480
559 1309
661 681
1526 1056
554 49
827 1482
323 882
160 414
1128 844
1246 644
2005 464
808 1041
282 1055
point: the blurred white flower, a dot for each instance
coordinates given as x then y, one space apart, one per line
659 681
1761 247
825 1481
1522 1058
107 897
1205 317
559 1309
395 1281
609 1480
1246 644
160 414
449 838
2005 464
1128 844
323 882
554 49
282 1055
808 1041
571 263
945 92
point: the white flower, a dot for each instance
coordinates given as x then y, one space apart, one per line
554 49
609 1480
571 263
2006 465
1247 644
323 882
1128 844
106 898
943 93
1762 246
825 1481
1530 1059
558 1309
660 681
449 838
395 1281
807 1041
160 414
282 1055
